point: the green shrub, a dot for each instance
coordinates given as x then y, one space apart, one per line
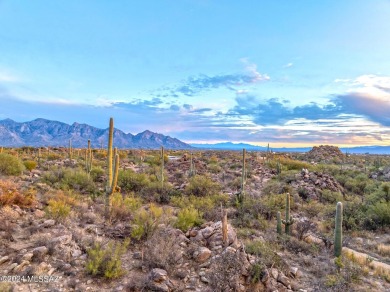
10 165
146 221
123 207
201 186
130 181
265 253
187 218
58 210
30 164
380 214
106 261
97 173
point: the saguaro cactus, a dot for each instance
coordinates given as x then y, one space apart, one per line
88 158
241 194
279 223
289 219
112 170
162 166
70 149
192 171
338 230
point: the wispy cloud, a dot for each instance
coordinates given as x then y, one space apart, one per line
194 85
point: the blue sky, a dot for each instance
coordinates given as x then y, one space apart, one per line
281 72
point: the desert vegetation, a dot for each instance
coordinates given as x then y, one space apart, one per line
151 220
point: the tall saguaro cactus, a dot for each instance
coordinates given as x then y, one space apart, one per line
88 158
70 149
338 230
162 166
241 194
112 170
289 219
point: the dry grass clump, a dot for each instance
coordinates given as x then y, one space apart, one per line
11 195
383 249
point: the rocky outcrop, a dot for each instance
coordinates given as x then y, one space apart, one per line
311 184
324 153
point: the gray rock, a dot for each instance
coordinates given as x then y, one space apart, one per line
202 254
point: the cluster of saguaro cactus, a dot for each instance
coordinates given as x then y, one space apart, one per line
288 221
112 170
88 158
338 230
192 171
241 193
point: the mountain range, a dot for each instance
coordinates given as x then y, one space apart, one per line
42 132
249 147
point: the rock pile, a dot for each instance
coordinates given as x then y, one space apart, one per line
205 263
311 184
324 153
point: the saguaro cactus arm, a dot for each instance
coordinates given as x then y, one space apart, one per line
338 230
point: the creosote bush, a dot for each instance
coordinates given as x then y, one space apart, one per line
123 207
30 164
106 261
187 218
146 221
10 165
201 186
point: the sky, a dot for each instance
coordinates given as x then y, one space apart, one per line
288 73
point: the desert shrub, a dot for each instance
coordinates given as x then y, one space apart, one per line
146 221
229 266
6 287
187 218
78 180
275 186
123 207
161 250
60 205
130 181
53 156
383 249
30 164
97 173
271 204
10 165
288 164
202 204
201 186
380 214
106 261
58 210
10 194
328 196
297 246
214 168
157 192
265 253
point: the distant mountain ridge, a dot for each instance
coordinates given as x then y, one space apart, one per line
250 147
42 132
